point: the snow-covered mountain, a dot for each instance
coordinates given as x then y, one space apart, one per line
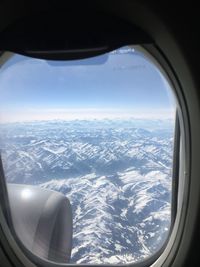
117 175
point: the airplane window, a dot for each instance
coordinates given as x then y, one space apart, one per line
87 153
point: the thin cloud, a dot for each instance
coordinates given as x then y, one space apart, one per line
83 114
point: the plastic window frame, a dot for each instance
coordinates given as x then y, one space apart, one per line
22 257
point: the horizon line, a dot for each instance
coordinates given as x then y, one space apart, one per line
84 114
88 119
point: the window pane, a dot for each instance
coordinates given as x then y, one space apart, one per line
100 131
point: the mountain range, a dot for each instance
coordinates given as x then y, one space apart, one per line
116 173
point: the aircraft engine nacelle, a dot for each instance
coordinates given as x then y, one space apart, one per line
42 220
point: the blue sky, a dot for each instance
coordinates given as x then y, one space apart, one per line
122 83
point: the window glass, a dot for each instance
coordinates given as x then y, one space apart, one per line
101 132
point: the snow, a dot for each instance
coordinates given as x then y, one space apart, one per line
116 175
